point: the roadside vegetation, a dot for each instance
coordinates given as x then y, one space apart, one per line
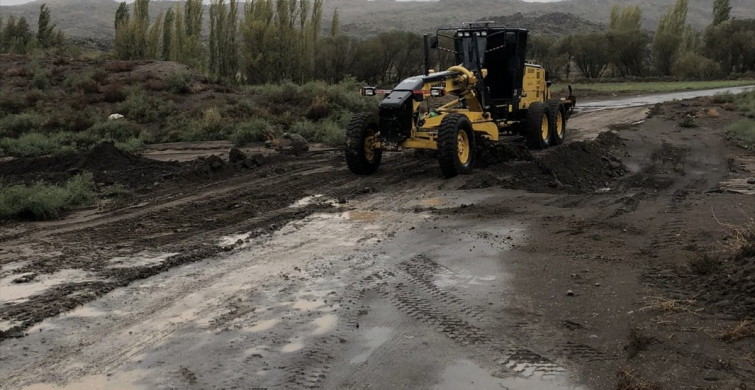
42 201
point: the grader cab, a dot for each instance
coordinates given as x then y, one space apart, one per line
490 93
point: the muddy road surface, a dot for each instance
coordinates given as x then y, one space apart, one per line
657 98
618 260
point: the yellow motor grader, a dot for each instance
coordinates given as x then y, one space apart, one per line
491 93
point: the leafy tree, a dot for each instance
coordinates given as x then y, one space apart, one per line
16 35
192 47
44 28
590 53
153 39
545 51
334 24
177 48
121 14
627 40
167 34
669 36
223 47
721 11
131 33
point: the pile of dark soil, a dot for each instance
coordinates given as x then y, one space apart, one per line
109 165
577 167
728 289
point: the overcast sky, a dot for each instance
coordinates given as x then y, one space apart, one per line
16 2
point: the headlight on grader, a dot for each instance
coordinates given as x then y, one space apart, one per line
367 91
437 91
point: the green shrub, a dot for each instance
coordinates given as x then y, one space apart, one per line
113 93
255 130
70 119
84 82
746 102
332 134
45 201
692 66
131 145
36 144
17 124
327 131
116 130
744 131
31 145
178 81
11 102
139 106
726 97
179 128
41 79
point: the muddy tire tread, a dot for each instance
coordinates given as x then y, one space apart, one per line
532 127
447 145
354 150
554 106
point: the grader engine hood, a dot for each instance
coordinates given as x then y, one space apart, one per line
396 111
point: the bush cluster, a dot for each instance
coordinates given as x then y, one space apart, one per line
42 201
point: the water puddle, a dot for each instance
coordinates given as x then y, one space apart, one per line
376 336
19 292
365 216
648 100
117 380
463 278
292 347
433 202
142 259
236 239
303 304
264 325
325 324
6 325
465 374
314 199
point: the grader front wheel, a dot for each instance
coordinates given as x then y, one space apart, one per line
361 155
455 145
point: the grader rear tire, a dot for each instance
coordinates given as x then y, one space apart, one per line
538 128
557 121
455 145
361 157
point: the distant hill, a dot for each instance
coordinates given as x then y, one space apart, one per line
92 20
555 23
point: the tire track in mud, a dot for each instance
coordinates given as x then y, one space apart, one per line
414 293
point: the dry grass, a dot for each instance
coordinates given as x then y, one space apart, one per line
712 113
741 240
670 305
742 330
629 381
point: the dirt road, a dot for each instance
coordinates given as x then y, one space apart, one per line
607 262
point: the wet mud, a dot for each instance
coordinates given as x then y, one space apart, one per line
617 261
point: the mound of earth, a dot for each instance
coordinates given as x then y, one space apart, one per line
110 165
724 286
577 167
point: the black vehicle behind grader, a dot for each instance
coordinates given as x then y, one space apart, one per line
491 93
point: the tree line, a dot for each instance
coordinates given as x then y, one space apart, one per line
17 37
676 49
263 41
